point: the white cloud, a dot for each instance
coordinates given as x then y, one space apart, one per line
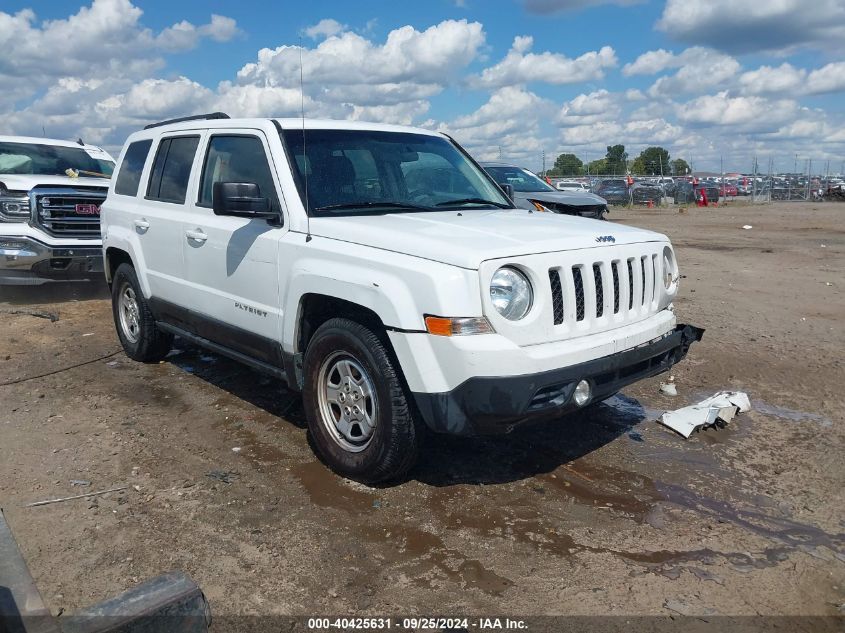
103 39
830 78
510 119
650 63
596 106
430 56
327 27
699 70
521 66
755 25
721 109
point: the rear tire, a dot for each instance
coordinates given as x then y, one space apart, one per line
135 324
357 410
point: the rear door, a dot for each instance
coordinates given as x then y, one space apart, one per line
231 263
158 217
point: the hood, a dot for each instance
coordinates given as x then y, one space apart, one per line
571 198
25 182
474 236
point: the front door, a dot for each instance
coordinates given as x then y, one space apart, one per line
231 263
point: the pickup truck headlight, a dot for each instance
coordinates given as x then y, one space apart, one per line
511 293
14 207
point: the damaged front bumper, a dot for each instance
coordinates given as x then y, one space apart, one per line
26 261
487 405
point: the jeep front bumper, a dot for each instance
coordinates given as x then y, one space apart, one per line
26 261
496 404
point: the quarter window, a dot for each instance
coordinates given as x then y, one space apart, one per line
237 159
172 169
129 176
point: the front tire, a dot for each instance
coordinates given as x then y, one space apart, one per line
357 410
135 324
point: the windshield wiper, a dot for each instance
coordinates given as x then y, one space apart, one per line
460 201
405 206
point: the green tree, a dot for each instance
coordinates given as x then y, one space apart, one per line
650 160
617 159
679 167
598 167
638 166
568 165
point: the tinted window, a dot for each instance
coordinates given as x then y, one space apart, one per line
129 176
237 159
172 169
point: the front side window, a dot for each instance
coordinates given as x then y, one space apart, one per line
352 172
521 179
172 169
129 176
237 159
53 160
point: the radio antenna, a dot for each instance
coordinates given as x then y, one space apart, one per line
304 153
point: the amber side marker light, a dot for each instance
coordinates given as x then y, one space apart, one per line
461 326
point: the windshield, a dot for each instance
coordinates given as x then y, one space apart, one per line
52 160
521 179
357 172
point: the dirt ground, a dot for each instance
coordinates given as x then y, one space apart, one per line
605 512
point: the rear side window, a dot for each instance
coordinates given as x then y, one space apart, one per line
172 169
129 176
237 159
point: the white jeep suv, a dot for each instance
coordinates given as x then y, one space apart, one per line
50 197
381 272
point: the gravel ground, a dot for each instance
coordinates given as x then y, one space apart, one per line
605 512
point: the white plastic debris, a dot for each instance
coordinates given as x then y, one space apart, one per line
722 406
668 388
747 226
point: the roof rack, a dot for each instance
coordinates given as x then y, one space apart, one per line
195 117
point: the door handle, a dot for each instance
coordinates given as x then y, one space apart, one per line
142 224
196 235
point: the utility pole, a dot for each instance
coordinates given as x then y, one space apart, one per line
544 163
500 152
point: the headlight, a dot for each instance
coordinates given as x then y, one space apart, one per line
511 294
540 207
14 207
668 268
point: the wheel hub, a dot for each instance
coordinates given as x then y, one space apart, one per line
347 400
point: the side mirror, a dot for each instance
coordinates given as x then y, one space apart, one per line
241 199
508 189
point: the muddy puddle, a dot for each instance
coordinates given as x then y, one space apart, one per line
422 559
789 414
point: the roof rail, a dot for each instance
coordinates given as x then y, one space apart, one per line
195 117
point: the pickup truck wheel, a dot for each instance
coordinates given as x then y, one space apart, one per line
136 326
357 411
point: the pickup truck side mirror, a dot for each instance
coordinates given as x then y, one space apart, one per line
508 189
241 199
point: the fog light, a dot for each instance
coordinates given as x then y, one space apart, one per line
582 394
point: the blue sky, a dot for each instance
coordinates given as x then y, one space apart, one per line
707 79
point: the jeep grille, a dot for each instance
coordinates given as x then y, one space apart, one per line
607 288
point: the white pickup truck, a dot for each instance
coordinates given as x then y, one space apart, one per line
50 197
381 272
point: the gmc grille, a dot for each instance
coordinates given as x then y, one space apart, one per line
68 212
